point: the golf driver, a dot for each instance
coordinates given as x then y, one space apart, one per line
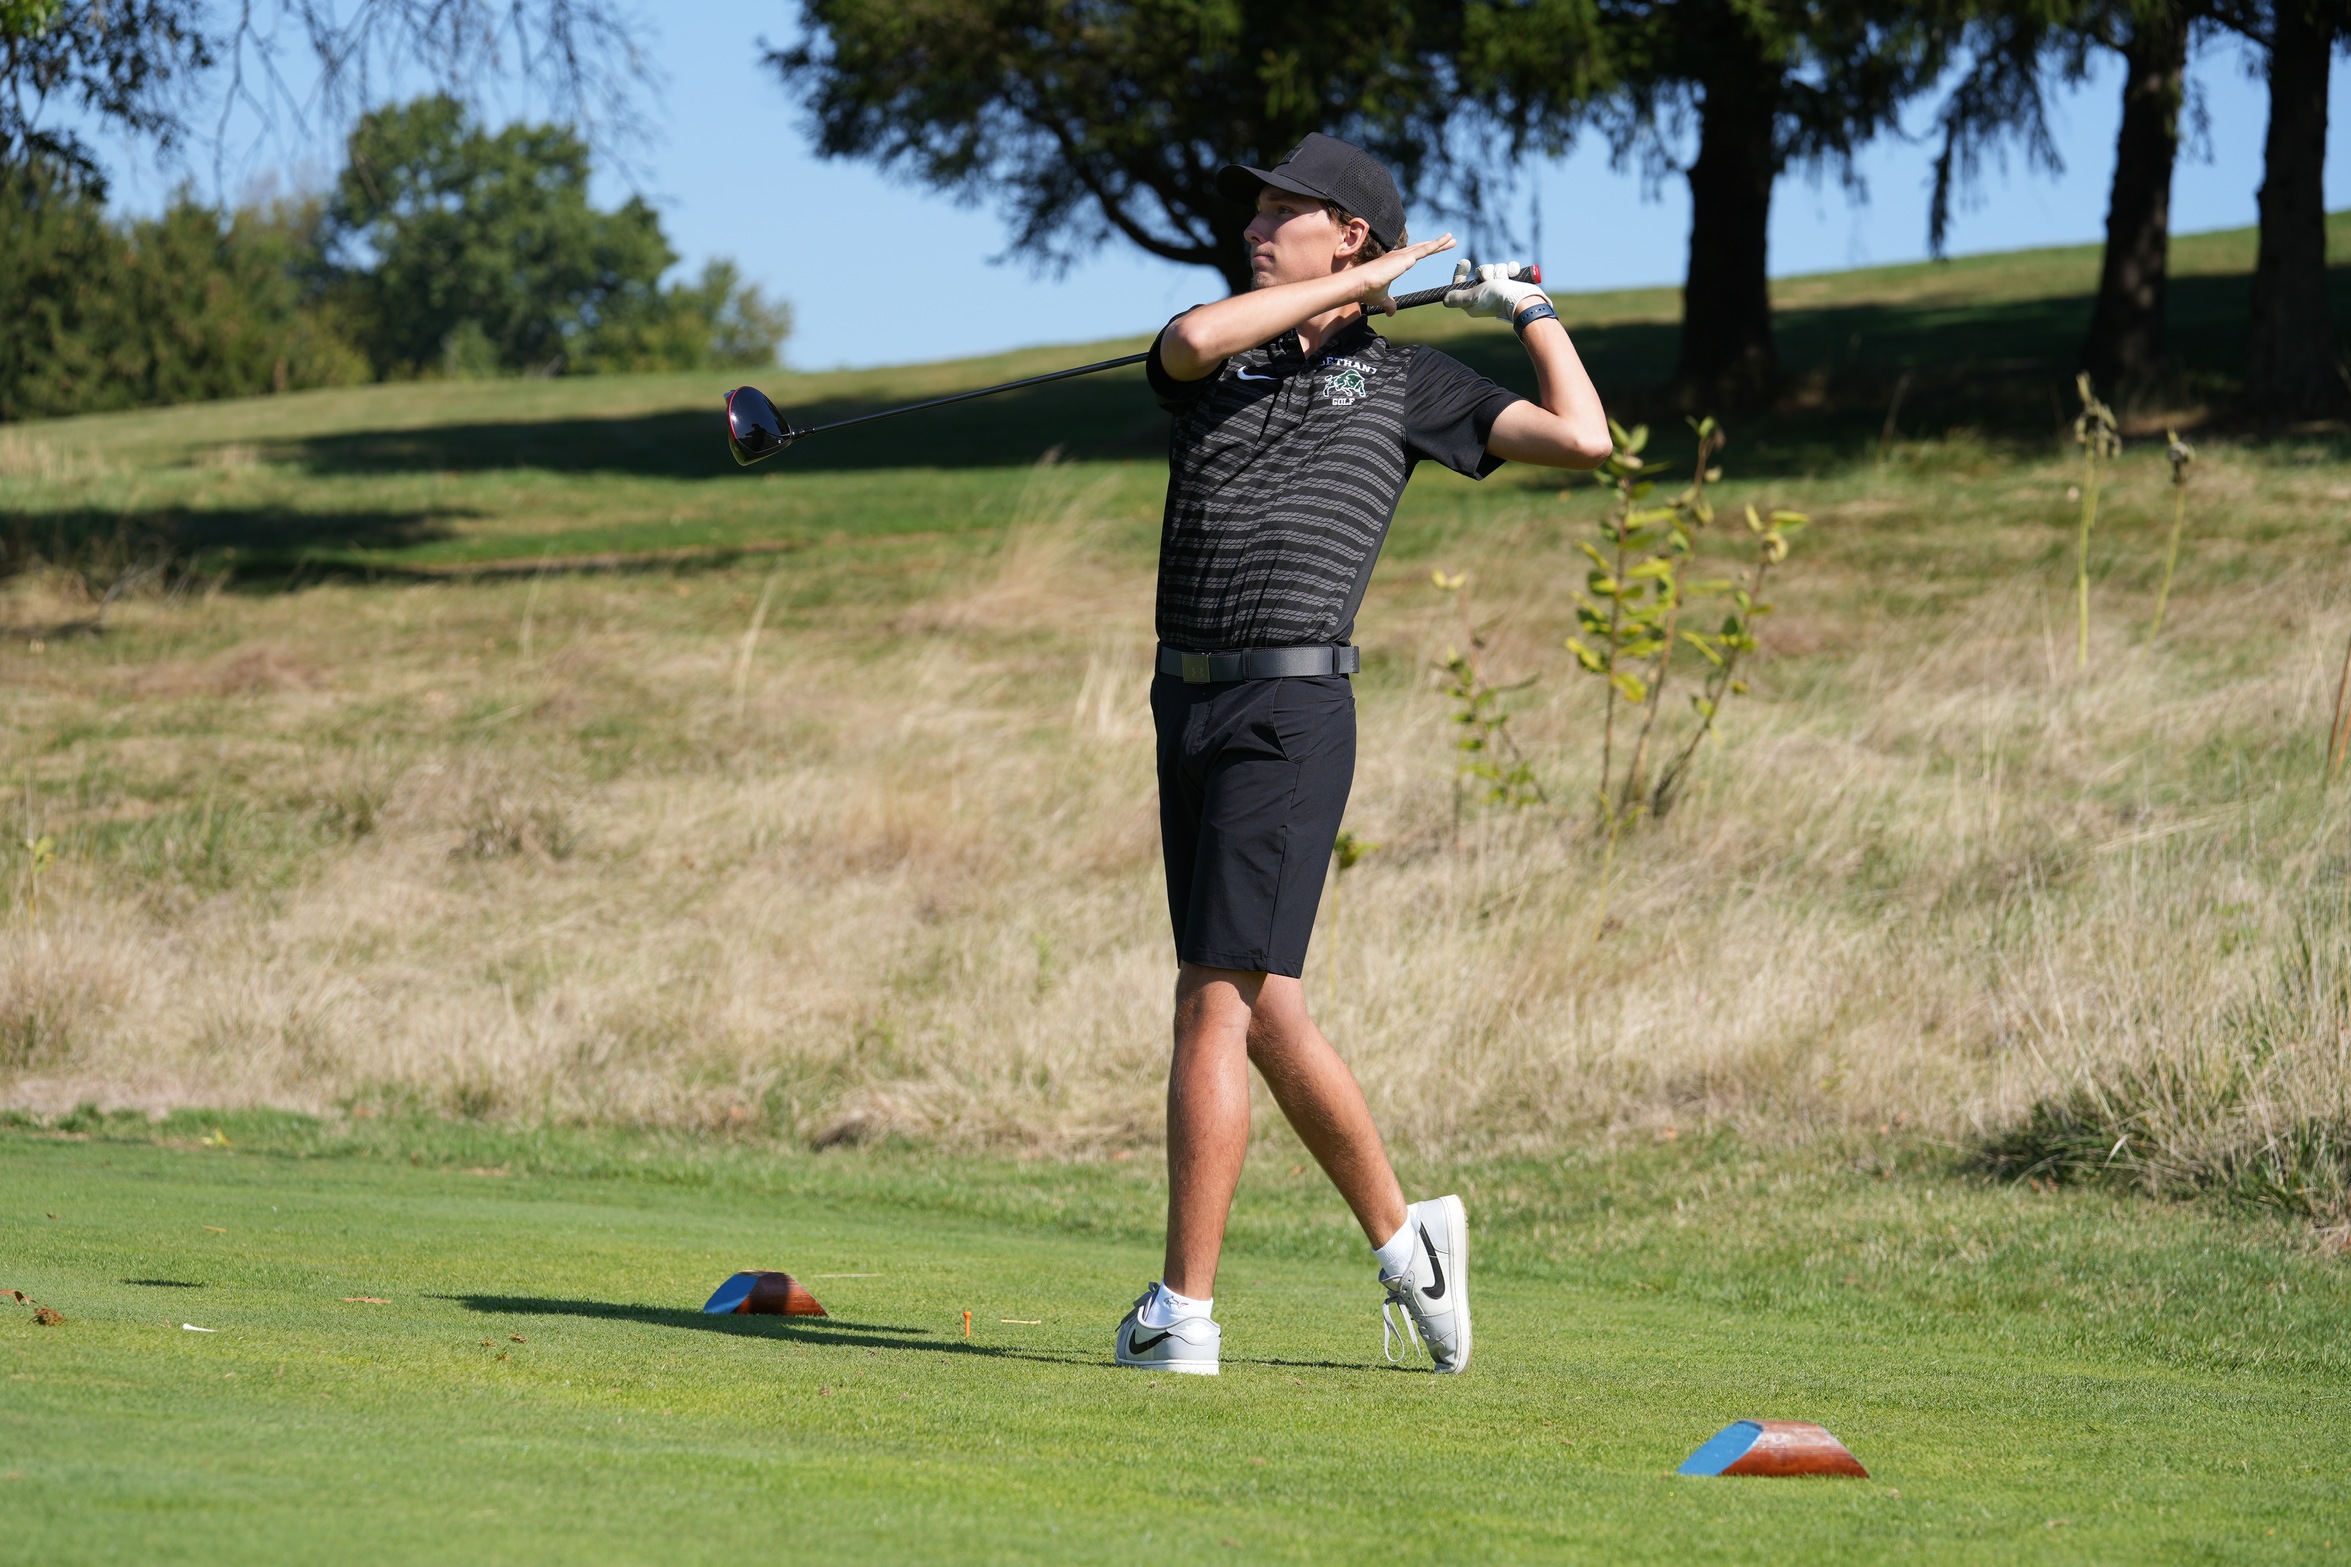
756 431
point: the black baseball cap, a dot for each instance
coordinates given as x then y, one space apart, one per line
1327 169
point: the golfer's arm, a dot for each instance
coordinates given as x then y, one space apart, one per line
1566 427
1205 336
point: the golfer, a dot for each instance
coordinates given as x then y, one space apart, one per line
1295 427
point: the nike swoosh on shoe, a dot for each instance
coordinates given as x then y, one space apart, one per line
1434 1291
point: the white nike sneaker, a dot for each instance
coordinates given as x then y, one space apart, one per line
1190 1345
1434 1292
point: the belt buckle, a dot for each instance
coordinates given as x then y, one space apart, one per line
1196 669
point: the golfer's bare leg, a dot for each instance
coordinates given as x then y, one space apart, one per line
1324 1105
1207 1119
1226 1019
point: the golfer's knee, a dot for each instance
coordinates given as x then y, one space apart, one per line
1214 1001
1279 1023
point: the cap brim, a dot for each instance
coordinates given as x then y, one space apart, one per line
1238 182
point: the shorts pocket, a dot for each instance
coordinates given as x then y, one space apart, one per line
1309 716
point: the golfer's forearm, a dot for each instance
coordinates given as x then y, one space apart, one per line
1205 336
1565 427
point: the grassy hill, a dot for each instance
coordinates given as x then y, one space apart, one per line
440 475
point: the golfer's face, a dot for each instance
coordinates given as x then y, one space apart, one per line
1291 239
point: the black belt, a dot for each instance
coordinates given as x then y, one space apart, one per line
1258 663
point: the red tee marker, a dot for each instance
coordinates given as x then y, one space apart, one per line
1772 1447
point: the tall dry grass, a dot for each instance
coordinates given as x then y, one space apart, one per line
349 848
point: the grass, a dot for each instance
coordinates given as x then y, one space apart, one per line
442 476
504 840
347 821
2031 1375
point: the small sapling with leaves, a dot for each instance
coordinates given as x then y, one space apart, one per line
1491 767
1724 647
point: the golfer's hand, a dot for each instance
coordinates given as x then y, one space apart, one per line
1489 292
1377 275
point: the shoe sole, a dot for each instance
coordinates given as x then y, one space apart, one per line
1180 1367
1457 1236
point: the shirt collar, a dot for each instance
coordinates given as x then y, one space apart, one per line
1350 338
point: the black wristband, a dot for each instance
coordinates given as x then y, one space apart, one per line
1540 310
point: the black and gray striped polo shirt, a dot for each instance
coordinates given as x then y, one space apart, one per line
1284 473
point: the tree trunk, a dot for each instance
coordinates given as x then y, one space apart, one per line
1727 359
2124 352
2292 370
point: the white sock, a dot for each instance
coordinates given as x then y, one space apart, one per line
1396 1256
1166 1308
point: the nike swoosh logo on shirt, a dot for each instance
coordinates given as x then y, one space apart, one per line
1138 1344
1244 375
1434 1291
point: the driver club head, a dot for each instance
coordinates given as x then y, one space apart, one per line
755 430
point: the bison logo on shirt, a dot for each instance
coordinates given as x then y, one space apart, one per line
1346 388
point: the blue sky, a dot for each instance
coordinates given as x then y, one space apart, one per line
879 271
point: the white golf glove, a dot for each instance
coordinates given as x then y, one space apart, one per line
1488 291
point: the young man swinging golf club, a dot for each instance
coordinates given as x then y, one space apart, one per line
1295 428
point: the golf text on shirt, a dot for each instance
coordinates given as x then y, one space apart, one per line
1283 475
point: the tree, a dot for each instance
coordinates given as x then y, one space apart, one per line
115 61
2125 349
2021 44
1085 121
129 64
474 251
1767 86
2293 369
484 236
58 262
718 322
193 303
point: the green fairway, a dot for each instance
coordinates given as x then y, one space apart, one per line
2029 1376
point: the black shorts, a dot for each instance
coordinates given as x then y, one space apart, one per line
1253 779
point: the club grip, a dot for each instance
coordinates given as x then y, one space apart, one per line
1431 296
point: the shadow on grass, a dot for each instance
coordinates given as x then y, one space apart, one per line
271 539
2002 370
1109 416
800 1330
824 1330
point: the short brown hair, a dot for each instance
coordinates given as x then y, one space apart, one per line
1372 248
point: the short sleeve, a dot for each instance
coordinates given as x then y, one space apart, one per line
1172 393
1449 411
